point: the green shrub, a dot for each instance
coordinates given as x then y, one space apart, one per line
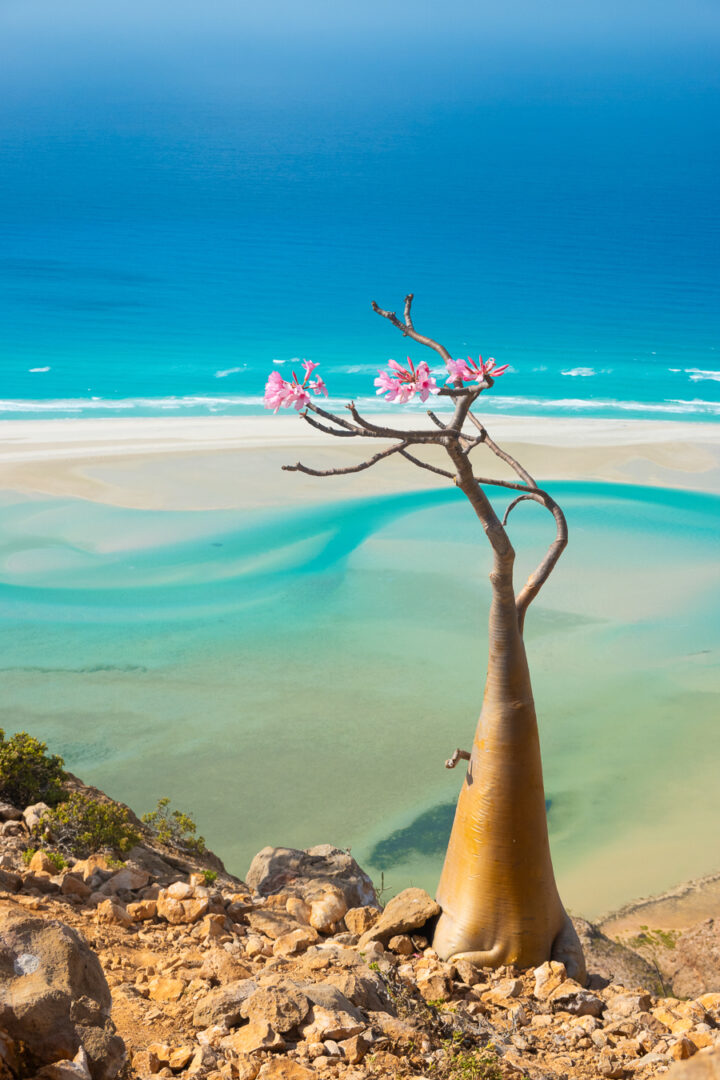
83 825
210 876
173 827
28 774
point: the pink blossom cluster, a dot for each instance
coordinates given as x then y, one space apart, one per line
401 384
469 371
281 394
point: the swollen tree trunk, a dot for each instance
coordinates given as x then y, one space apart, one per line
499 901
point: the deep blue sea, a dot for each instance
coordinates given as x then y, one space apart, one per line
187 201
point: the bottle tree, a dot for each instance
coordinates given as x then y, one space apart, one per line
500 904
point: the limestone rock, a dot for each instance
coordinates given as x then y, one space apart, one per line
297 941
570 997
363 988
178 912
407 911
54 996
142 910
327 909
548 977
285 1069
332 1015
33 814
130 877
113 913
307 873
223 1005
8 812
283 1006
166 989
257 1035
41 862
73 885
359 919
274 924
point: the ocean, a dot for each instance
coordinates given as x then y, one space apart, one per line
177 221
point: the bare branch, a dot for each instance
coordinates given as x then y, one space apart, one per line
328 430
426 465
407 328
514 503
502 454
537 579
299 467
339 420
457 755
377 431
435 420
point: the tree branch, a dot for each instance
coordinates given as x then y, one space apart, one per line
426 465
328 430
299 467
502 454
377 431
407 328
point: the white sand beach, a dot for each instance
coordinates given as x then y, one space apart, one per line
230 462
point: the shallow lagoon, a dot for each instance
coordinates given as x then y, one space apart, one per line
297 677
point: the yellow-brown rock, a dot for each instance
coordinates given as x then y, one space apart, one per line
285 1069
254 1036
682 1049
142 910
162 988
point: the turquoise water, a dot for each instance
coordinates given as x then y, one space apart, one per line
189 196
300 677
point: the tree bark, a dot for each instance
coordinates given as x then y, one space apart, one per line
500 903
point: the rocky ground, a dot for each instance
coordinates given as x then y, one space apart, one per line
168 966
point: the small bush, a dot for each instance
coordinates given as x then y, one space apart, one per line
173 827
210 876
28 774
83 825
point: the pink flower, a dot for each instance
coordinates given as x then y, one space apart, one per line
281 393
405 382
469 371
318 386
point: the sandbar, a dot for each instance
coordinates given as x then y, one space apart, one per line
198 463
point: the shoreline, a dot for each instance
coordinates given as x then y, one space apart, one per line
236 462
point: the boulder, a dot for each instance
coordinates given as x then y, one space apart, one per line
308 873
407 911
332 1016
54 997
8 812
130 877
33 814
283 1006
223 1005
363 988
257 1035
